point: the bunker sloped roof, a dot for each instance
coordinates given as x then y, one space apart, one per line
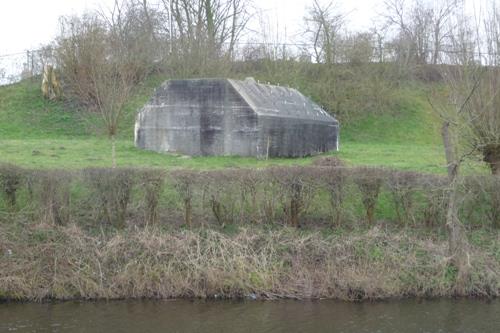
264 99
269 100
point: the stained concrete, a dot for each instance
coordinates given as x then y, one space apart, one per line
205 117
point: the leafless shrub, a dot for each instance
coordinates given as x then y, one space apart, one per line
357 48
403 186
271 195
482 199
52 190
335 182
152 183
250 183
184 182
271 198
98 66
299 188
111 190
369 182
434 193
221 189
111 44
11 179
78 46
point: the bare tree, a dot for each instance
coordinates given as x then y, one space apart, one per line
478 78
82 38
139 27
379 35
421 27
458 244
323 23
97 67
482 112
471 120
357 48
208 28
441 26
452 131
413 24
114 74
112 83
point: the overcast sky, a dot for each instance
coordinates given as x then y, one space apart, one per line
26 24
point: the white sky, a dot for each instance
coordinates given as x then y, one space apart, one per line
26 24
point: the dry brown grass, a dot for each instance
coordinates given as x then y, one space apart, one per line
41 261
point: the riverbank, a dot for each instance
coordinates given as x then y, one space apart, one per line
41 261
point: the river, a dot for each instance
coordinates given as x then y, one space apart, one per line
444 315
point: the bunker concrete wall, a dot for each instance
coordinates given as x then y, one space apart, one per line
226 117
197 117
290 137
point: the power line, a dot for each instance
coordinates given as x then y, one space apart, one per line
14 54
444 51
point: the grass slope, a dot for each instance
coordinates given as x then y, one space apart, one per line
49 134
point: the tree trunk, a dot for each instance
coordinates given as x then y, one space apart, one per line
449 152
495 200
458 245
337 217
491 155
370 214
113 152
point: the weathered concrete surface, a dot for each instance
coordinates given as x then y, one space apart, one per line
230 117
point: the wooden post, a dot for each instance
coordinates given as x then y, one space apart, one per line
267 148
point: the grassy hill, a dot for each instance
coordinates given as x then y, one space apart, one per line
54 134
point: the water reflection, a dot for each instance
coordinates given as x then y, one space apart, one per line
225 316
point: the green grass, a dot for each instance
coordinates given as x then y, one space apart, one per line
38 133
88 152
405 156
77 153
25 114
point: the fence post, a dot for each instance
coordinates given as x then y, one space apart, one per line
29 63
32 65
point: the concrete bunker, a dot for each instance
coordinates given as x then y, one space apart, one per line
203 117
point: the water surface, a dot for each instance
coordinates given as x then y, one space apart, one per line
444 315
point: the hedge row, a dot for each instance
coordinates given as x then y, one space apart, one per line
292 196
